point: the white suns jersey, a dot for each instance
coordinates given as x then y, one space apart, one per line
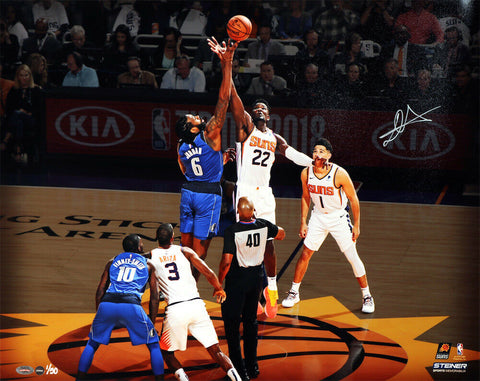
174 274
255 157
326 197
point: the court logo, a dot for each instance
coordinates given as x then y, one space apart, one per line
443 351
24 370
94 126
459 349
39 370
161 130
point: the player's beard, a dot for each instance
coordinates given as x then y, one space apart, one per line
257 118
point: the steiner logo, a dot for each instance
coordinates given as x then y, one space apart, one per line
95 126
420 141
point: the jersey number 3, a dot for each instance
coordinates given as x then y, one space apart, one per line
256 160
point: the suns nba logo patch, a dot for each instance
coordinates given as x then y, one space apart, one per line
443 351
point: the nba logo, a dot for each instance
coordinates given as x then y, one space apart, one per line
161 129
460 349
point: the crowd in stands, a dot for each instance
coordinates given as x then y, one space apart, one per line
318 53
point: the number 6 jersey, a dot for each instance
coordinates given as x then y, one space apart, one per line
174 274
255 157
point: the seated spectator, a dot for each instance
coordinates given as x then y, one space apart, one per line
391 86
259 14
350 54
311 92
54 13
410 57
336 22
312 53
80 44
23 110
267 83
38 65
117 52
452 54
184 77
8 49
350 90
425 95
15 26
154 15
190 20
96 20
219 14
241 80
169 48
126 14
376 22
136 76
43 43
79 74
5 86
465 94
294 22
423 26
264 45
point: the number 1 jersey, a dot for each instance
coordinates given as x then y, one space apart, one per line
255 157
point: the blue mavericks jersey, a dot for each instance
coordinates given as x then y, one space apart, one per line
202 163
128 274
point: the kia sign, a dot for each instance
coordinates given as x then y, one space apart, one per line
95 126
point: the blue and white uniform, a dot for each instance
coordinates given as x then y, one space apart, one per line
201 200
121 304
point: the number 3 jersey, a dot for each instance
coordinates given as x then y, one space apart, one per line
201 161
326 197
255 157
128 274
174 274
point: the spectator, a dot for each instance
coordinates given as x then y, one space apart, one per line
184 77
5 87
117 52
294 22
190 20
465 93
452 54
267 83
240 80
54 13
96 21
126 15
259 14
391 85
350 90
336 22
80 44
43 43
376 22
8 49
23 110
312 53
264 45
350 54
136 76
169 48
311 91
423 26
79 74
204 54
154 15
219 15
424 95
410 57
38 66
15 26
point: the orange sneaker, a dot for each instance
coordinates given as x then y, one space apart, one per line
271 306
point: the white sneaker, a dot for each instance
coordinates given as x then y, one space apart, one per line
291 299
368 305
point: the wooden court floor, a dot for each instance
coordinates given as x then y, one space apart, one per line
422 263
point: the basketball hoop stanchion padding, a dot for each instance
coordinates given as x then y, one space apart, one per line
290 259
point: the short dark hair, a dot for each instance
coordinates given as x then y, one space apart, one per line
164 233
131 242
324 142
78 58
261 100
182 126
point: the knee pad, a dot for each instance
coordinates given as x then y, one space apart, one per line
355 261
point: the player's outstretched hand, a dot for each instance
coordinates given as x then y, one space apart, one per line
224 50
220 295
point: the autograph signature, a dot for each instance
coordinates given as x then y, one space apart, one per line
399 123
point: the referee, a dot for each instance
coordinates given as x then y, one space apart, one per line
241 267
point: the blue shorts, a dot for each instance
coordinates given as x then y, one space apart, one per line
200 213
132 316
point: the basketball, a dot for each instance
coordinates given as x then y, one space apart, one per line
239 28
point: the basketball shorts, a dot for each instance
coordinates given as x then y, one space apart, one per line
199 213
182 318
262 197
132 316
337 224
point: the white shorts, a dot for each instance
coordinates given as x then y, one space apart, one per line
185 317
337 223
263 200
